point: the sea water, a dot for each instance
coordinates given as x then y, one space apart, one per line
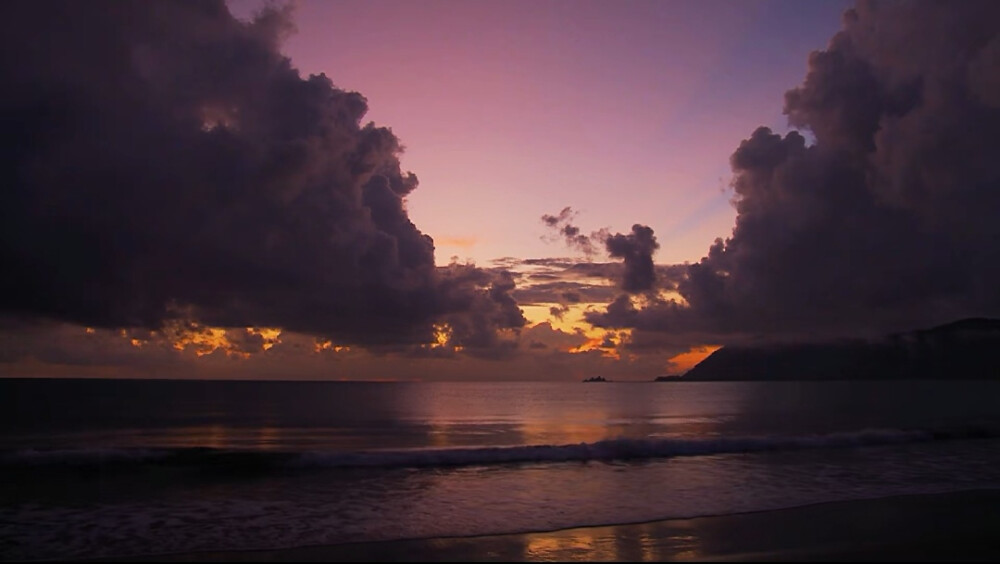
94 468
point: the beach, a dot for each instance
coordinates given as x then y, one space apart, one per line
959 526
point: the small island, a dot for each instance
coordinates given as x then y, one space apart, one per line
595 379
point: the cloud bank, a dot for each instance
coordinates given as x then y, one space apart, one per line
889 219
163 160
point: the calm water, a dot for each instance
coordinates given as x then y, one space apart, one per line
98 468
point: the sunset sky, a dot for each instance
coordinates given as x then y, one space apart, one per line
487 190
509 110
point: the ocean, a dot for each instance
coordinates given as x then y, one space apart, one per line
100 468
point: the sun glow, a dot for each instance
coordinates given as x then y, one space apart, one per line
442 335
203 340
270 335
237 342
687 360
607 343
327 345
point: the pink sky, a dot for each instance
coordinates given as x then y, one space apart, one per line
626 111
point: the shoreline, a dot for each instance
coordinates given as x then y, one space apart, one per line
962 525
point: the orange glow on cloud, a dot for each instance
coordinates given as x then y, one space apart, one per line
573 323
327 345
595 345
207 340
601 343
270 335
204 340
442 335
536 314
687 360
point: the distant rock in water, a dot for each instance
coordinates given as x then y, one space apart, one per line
596 379
669 378
963 350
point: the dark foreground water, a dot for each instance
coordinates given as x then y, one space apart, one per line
100 468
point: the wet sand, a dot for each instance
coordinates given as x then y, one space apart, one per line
963 526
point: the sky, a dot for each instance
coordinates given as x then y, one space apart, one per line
510 110
487 190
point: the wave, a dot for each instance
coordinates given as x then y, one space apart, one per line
607 450
629 449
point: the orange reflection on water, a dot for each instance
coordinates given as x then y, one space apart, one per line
223 437
648 542
268 438
208 436
478 415
462 415
554 431
561 547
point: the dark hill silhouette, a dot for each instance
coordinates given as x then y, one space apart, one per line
963 350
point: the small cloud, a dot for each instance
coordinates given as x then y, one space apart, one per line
456 242
571 234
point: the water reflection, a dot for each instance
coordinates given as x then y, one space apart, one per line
363 416
464 414
650 542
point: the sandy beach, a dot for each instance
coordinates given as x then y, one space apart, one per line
962 526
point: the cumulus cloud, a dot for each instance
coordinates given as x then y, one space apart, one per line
889 219
637 249
164 160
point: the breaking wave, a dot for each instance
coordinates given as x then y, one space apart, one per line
607 450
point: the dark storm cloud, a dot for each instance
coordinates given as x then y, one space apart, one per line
478 317
637 249
888 220
164 160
